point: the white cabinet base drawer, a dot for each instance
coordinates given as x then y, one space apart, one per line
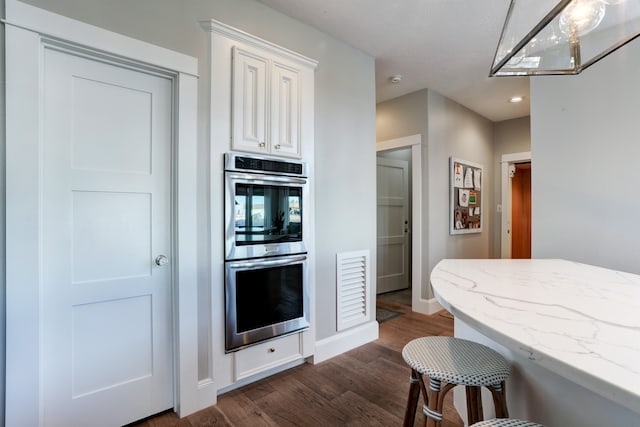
268 355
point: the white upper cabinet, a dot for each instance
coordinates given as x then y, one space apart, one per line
249 101
261 94
266 104
285 110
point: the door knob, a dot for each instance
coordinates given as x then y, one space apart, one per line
161 260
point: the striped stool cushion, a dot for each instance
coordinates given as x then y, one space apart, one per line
506 422
456 361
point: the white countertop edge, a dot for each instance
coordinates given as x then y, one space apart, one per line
591 382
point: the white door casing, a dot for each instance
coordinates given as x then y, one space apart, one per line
28 35
393 225
107 347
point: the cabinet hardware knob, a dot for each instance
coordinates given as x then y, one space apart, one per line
272 350
262 145
277 146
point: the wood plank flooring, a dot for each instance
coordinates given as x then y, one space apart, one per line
367 386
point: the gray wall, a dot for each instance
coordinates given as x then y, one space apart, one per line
344 117
448 129
2 218
402 116
406 116
584 142
456 131
345 165
509 136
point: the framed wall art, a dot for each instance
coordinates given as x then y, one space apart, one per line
466 197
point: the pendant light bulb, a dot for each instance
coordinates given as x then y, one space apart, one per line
581 17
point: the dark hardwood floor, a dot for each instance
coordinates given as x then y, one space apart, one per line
367 386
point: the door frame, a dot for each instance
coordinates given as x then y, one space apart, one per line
28 31
505 227
415 143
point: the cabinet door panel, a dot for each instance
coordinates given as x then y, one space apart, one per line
285 110
250 95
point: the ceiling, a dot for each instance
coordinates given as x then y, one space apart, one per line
443 45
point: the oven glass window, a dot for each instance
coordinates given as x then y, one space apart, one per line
267 214
267 296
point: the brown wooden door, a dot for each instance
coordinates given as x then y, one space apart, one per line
521 212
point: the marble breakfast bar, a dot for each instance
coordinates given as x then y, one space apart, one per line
570 330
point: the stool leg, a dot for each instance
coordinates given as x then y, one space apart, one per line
431 410
474 404
412 401
499 394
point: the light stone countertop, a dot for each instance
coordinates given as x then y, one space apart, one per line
579 321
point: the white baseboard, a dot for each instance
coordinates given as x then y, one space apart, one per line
425 306
207 395
345 341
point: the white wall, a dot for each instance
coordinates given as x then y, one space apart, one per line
584 142
344 137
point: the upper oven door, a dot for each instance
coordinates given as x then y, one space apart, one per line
263 215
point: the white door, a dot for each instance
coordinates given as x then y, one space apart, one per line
107 320
393 225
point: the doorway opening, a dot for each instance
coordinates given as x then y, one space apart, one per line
399 210
516 206
521 211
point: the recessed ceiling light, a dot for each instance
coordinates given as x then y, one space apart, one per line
516 99
396 79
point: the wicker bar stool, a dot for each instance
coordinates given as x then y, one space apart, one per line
506 422
448 362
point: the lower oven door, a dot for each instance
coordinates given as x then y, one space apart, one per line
265 298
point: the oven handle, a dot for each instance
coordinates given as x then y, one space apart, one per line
258 179
271 263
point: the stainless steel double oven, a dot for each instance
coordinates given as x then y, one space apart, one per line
266 279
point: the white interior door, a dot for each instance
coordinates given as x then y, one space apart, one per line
393 225
107 319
